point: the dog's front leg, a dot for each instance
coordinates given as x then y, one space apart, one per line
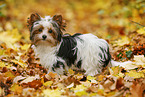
58 68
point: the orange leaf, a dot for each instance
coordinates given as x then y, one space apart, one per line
137 90
35 84
53 75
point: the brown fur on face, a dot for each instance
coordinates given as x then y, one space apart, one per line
38 30
52 34
58 24
33 18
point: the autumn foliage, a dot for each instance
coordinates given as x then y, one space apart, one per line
120 22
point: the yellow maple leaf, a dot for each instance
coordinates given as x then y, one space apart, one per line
2 64
100 92
9 74
120 42
48 83
80 90
10 36
143 71
1 51
25 46
100 77
16 89
71 71
135 74
110 94
20 62
115 70
81 93
51 93
90 77
141 31
93 94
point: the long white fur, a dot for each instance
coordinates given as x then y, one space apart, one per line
47 55
88 52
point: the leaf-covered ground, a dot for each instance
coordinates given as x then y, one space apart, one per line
120 22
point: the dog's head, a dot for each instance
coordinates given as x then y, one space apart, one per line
48 29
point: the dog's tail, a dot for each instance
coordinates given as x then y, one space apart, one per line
120 64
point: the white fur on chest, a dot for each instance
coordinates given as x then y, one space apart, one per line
46 53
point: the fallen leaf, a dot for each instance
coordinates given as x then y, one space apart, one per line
120 42
70 86
18 78
30 79
48 83
51 93
81 93
141 30
139 58
100 77
137 90
135 74
119 83
52 75
35 84
21 63
9 74
25 47
16 89
71 71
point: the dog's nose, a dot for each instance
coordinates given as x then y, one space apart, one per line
44 37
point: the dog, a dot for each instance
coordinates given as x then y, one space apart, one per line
58 52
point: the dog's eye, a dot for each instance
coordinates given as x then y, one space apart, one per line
40 29
50 31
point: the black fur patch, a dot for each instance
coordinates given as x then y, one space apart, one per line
105 59
79 64
68 50
58 65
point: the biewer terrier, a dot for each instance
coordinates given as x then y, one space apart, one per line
58 52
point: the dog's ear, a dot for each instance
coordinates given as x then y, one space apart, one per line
33 18
58 19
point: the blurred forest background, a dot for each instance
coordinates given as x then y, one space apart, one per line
105 18
120 22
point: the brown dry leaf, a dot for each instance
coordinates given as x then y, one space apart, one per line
92 89
35 84
70 80
137 90
119 83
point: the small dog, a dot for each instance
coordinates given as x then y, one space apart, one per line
59 52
